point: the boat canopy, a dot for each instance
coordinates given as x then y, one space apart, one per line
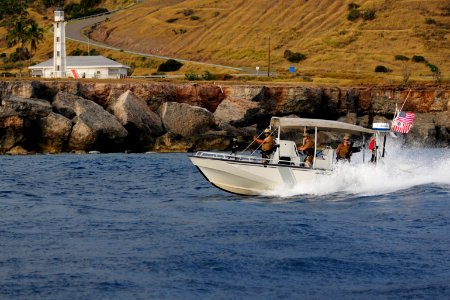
326 125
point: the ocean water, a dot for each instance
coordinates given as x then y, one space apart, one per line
148 226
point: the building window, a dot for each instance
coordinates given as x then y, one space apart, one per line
57 53
57 39
57 68
57 25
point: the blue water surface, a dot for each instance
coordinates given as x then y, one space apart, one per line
148 226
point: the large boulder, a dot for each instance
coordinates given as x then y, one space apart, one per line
55 133
31 109
141 123
22 89
443 128
12 132
171 142
235 110
211 140
94 129
186 120
17 150
18 121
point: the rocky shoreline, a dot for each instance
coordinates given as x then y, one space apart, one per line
71 116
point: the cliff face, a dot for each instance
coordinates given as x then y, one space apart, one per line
29 109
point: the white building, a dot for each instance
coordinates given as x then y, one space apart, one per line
82 67
61 66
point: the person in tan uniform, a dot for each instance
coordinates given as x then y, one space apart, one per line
344 150
267 144
308 149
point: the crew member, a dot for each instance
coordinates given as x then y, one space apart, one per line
308 149
267 144
344 150
373 149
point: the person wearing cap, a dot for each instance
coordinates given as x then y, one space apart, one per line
344 150
266 144
308 149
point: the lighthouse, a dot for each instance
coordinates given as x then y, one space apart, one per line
59 45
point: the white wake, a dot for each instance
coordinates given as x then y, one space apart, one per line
401 169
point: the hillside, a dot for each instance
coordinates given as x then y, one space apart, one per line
237 32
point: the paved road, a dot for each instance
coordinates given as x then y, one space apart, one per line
74 32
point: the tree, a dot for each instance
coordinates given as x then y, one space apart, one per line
24 32
34 35
18 36
11 9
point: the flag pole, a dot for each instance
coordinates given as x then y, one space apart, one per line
398 111
407 96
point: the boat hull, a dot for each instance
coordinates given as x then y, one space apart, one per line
252 178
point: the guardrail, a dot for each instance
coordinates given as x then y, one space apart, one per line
93 16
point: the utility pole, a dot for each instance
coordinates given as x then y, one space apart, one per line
268 69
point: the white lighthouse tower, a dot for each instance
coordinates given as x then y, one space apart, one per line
59 45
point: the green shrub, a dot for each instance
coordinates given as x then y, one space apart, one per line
401 57
13 57
418 59
179 31
382 69
49 3
223 76
369 14
172 20
352 6
294 57
76 52
433 68
188 12
191 76
430 21
194 18
353 15
208 76
170 65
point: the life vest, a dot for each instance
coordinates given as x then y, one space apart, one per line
267 144
344 151
372 145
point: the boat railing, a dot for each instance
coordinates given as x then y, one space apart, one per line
228 156
249 158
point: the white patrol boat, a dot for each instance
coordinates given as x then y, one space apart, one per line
252 175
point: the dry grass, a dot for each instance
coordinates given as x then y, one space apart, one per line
236 32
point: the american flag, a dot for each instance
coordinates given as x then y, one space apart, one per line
403 122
